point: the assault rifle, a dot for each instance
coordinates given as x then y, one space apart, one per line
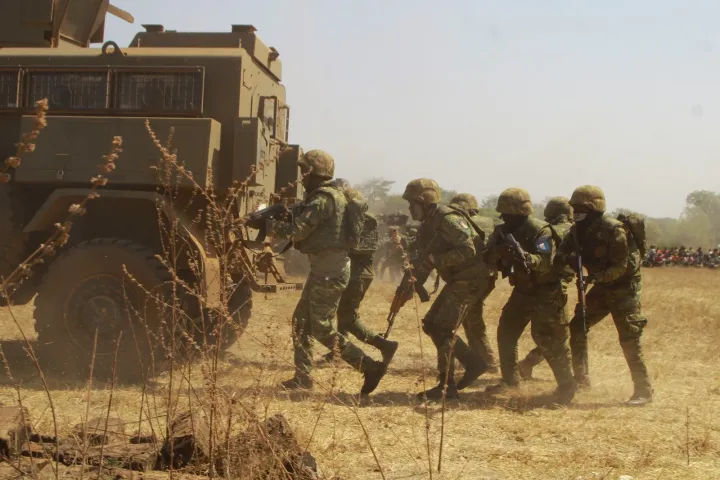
405 289
581 299
278 211
516 251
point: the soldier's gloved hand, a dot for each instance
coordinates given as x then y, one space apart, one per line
592 279
505 254
528 258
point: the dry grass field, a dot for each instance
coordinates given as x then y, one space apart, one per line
515 436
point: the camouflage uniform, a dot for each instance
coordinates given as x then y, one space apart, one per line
449 240
393 253
612 259
474 323
361 277
558 213
537 298
317 231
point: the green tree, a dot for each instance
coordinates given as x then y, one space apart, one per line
707 203
489 202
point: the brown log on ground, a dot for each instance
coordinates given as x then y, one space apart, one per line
96 433
189 433
138 439
141 458
38 450
270 450
14 432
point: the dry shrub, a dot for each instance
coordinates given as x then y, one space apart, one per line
394 435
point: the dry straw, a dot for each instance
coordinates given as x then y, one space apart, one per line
393 435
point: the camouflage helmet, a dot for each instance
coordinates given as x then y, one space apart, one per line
514 201
465 201
588 196
321 163
422 190
557 206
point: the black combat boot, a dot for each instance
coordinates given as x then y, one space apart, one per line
387 348
436 393
499 387
373 371
298 382
526 369
474 365
641 397
564 394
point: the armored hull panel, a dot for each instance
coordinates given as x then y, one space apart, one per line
71 148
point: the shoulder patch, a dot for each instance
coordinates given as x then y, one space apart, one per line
544 244
464 224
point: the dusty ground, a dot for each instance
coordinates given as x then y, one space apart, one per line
512 437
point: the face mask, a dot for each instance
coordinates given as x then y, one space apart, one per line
579 217
416 211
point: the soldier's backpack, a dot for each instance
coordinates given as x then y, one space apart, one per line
480 240
360 228
636 226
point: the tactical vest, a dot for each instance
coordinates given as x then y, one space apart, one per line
329 233
428 234
527 235
596 245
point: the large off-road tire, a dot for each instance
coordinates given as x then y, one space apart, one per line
240 308
86 289
12 238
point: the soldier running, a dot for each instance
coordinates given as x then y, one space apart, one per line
361 277
474 323
446 242
558 214
612 258
317 231
537 297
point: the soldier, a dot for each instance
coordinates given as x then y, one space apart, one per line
446 243
537 296
474 323
361 277
396 246
317 231
558 213
611 257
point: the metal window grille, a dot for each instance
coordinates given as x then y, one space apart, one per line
179 92
69 90
10 89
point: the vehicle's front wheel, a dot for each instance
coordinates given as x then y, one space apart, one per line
86 290
12 237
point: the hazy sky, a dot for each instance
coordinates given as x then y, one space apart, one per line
484 95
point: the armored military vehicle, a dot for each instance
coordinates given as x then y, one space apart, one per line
221 95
